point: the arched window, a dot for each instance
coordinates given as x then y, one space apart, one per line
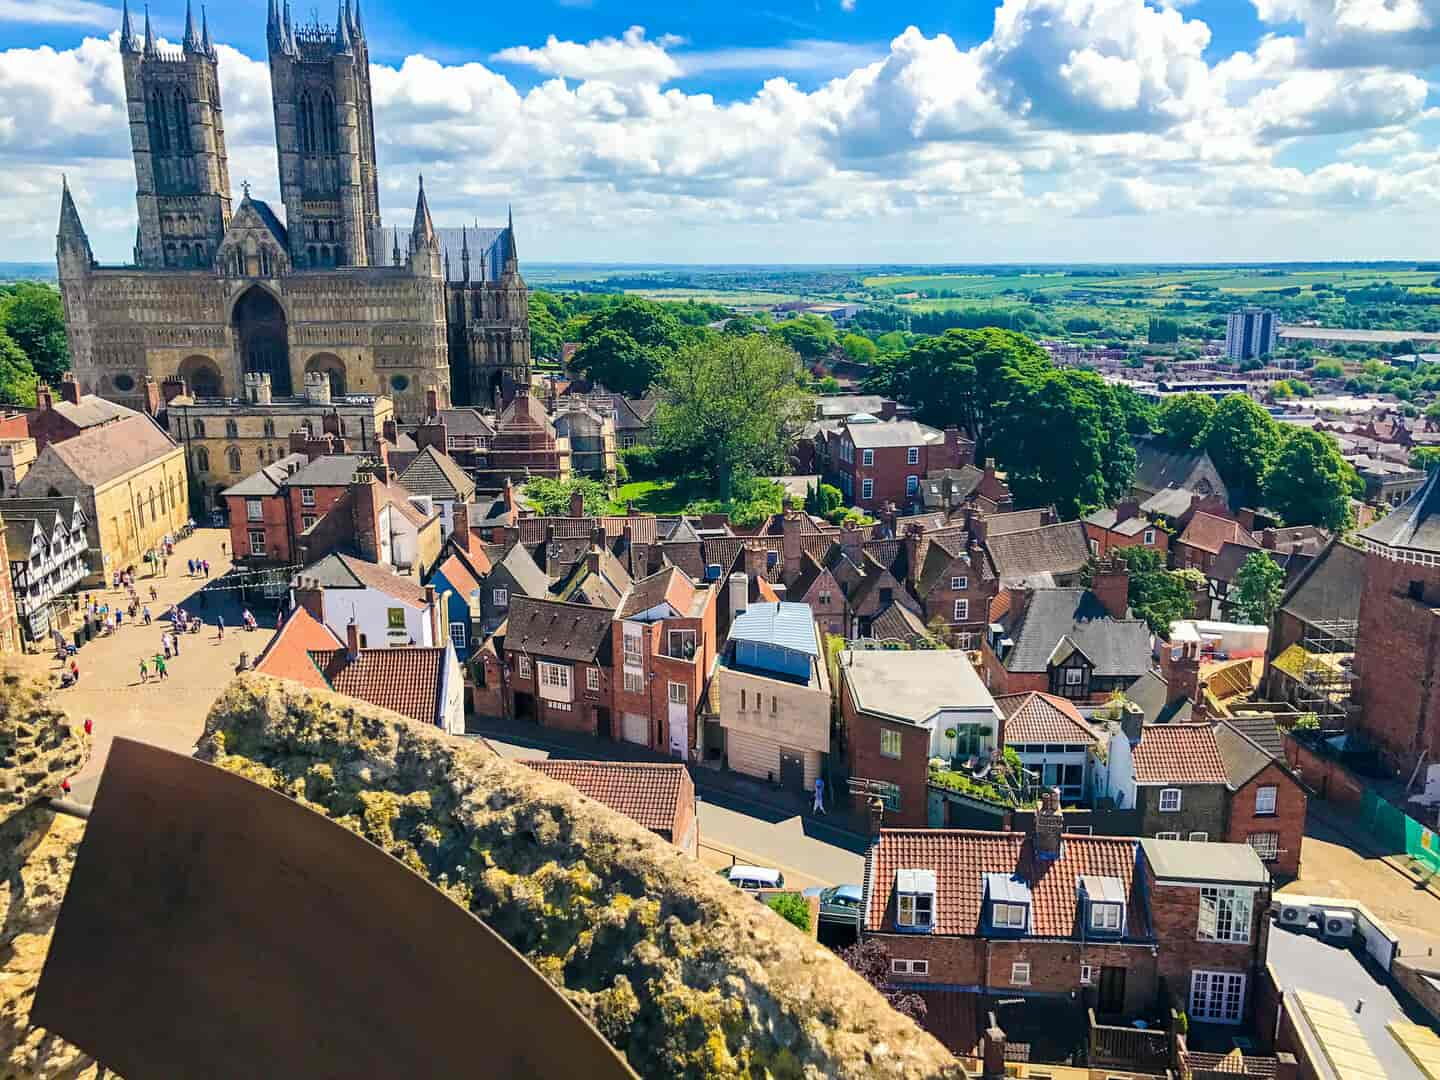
182 123
306 123
269 428
202 458
265 263
153 516
232 458
232 429
198 428
159 135
185 254
327 121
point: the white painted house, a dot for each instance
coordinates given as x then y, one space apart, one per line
389 610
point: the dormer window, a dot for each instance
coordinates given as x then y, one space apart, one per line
1008 916
1106 917
1102 906
1007 903
915 900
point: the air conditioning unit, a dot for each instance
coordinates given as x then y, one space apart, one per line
1296 916
1337 925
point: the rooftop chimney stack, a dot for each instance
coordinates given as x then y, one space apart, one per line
1049 824
352 640
69 388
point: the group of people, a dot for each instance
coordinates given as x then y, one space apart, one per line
197 567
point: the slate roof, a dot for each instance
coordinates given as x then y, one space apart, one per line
460 421
102 454
1178 754
789 625
526 573
605 589
270 221
1050 549
286 656
1169 503
1158 465
1115 647
648 793
885 433
91 411
1034 717
405 680
1014 521
1262 731
1330 587
897 622
960 859
1109 520
328 470
551 628
1413 526
339 571
1243 757
964 481
1210 532
1152 693
436 474
269 479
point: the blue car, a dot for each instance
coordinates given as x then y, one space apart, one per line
839 904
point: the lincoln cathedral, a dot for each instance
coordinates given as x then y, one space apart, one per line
218 289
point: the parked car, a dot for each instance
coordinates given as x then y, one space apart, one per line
839 903
754 878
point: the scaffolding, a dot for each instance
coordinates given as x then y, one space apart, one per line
1325 683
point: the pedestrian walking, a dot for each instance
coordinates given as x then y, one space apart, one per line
74 670
160 669
175 642
190 567
819 795
206 564
154 596
146 614
219 628
144 671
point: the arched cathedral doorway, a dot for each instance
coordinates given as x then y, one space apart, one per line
202 376
332 367
260 327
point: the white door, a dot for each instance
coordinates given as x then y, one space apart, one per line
679 720
635 728
1217 996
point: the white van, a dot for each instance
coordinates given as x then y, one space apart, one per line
755 878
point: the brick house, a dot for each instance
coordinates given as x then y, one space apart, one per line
663 643
660 797
1173 776
955 580
259 515
55 419
1066 923
513 573
898 709
1054 554
1074 643
1198 546
551 666
389 609
883 461
1399 631
1122 526
1267 803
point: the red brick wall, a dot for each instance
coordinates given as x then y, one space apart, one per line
1108 541
1175 916
687 829
1328 779
654 700
940 601
890 466
1398 634
829 616
1288 819
325 498
911 770
277 538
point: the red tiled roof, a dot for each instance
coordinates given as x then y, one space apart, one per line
458 574
960 858
645 792
1210 532
1034 717
287 656
1178 754
406 681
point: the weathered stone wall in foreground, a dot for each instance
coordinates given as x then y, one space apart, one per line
687 976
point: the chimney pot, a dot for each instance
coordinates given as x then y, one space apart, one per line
70 388
352 640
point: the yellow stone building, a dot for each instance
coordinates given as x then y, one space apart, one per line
130 479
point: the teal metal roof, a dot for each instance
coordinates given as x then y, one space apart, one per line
788 625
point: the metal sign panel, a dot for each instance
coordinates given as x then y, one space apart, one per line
215 928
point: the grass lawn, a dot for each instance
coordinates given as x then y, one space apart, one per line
658 496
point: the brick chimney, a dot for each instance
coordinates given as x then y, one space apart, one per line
592 561
460 524
1049 824
389 430
433 613
330 423
1180 664
914 539
1111 586
1126 509
793 549
992 1054
310 596
151 389
756 556
851 540
509 498
352 640
876 806
577 503
975 525
172 387
70 388
365 514
1268 539
887 409
1132 721
957 448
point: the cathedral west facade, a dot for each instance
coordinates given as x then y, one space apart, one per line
220 289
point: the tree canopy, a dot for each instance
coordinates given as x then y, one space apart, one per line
34 317
17 378
551 498
859 348
810 335
1259 585
1157 595
1242 439
1309 483
1184 418
731 404
624 346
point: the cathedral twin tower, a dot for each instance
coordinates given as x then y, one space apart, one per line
219 290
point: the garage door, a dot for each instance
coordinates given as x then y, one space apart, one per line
636 728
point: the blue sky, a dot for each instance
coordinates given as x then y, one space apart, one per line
824 131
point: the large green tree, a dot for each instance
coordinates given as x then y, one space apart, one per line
1242 439
1259 585
810 336
624 346
859 348
731 405
17 377
1184 418
964 378
546 335
1309 483
1157 595
32 314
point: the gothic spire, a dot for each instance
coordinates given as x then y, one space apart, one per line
446 252
464 256
287 32
396 254
423 231
512 258
191 43
71 232
357 28
272 25
342 30
205 42
149 34
127 35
